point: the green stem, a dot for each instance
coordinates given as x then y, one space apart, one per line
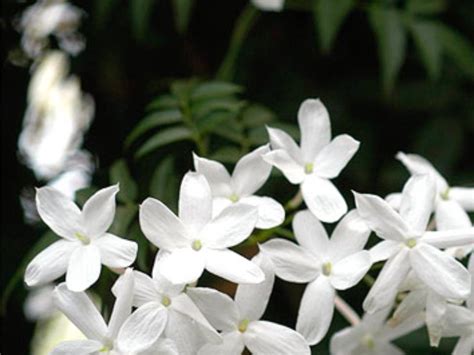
244 23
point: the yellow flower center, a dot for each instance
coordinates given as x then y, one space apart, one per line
243 325
445 194
368 341
410 242
308 168
327 268
165 301
197 245
83 238
234 198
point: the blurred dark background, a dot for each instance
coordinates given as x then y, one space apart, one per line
131 58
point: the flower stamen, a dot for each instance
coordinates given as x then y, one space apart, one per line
243 325
197 245
166 301
308 168
327 268
83 238
411 243
234 198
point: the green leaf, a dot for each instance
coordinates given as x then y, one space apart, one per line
124 216
209 122
164 183
182 13
329 16
391 40
164 137
214 89
255 115
227 154
163 102
231 131
140 13
119 173
182 89
44 241
425 35
458 49
102 11
204 108
153 120
426 7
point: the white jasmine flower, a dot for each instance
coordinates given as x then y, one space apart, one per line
39 303
269 5
164 308
408 246
57 116
373 335
85 243
240 322
451 203
195 241
315 161
50 17
326 264
248 177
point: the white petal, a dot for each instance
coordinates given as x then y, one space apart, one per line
270 212
58 212
219 204
195 201
413 303
161 226
407 326
316 310
436 308
251 172
384 250
441 272
281 160
263 338
84 268
182 266
143 328
459 321
252 300
116 252
310 233
231 227
184 305
99 211
291 262
123 303
323 199
384 290
216 174
50 264
315 127
418 197
464 196
394 200
450 215
232 344
349 236
387 349
233 267
335 156
450 238
464 346
350 270
80 310
218 308
144 289
380 217
346 340
417 165
470 267
162 347
77 347
279 139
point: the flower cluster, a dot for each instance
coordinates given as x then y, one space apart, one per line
168 312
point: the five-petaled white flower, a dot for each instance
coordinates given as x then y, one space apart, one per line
163 308
248 177
269 5
85 244
316 161
451 203
373 335
195 241
327 264
408 246
240 322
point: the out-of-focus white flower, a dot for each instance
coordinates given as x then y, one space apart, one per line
373 335
56 118
39 303
269 5
51 17
327 264
84 246
195 241
408 246
163 308
451 203
315 161
240 322
249 175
